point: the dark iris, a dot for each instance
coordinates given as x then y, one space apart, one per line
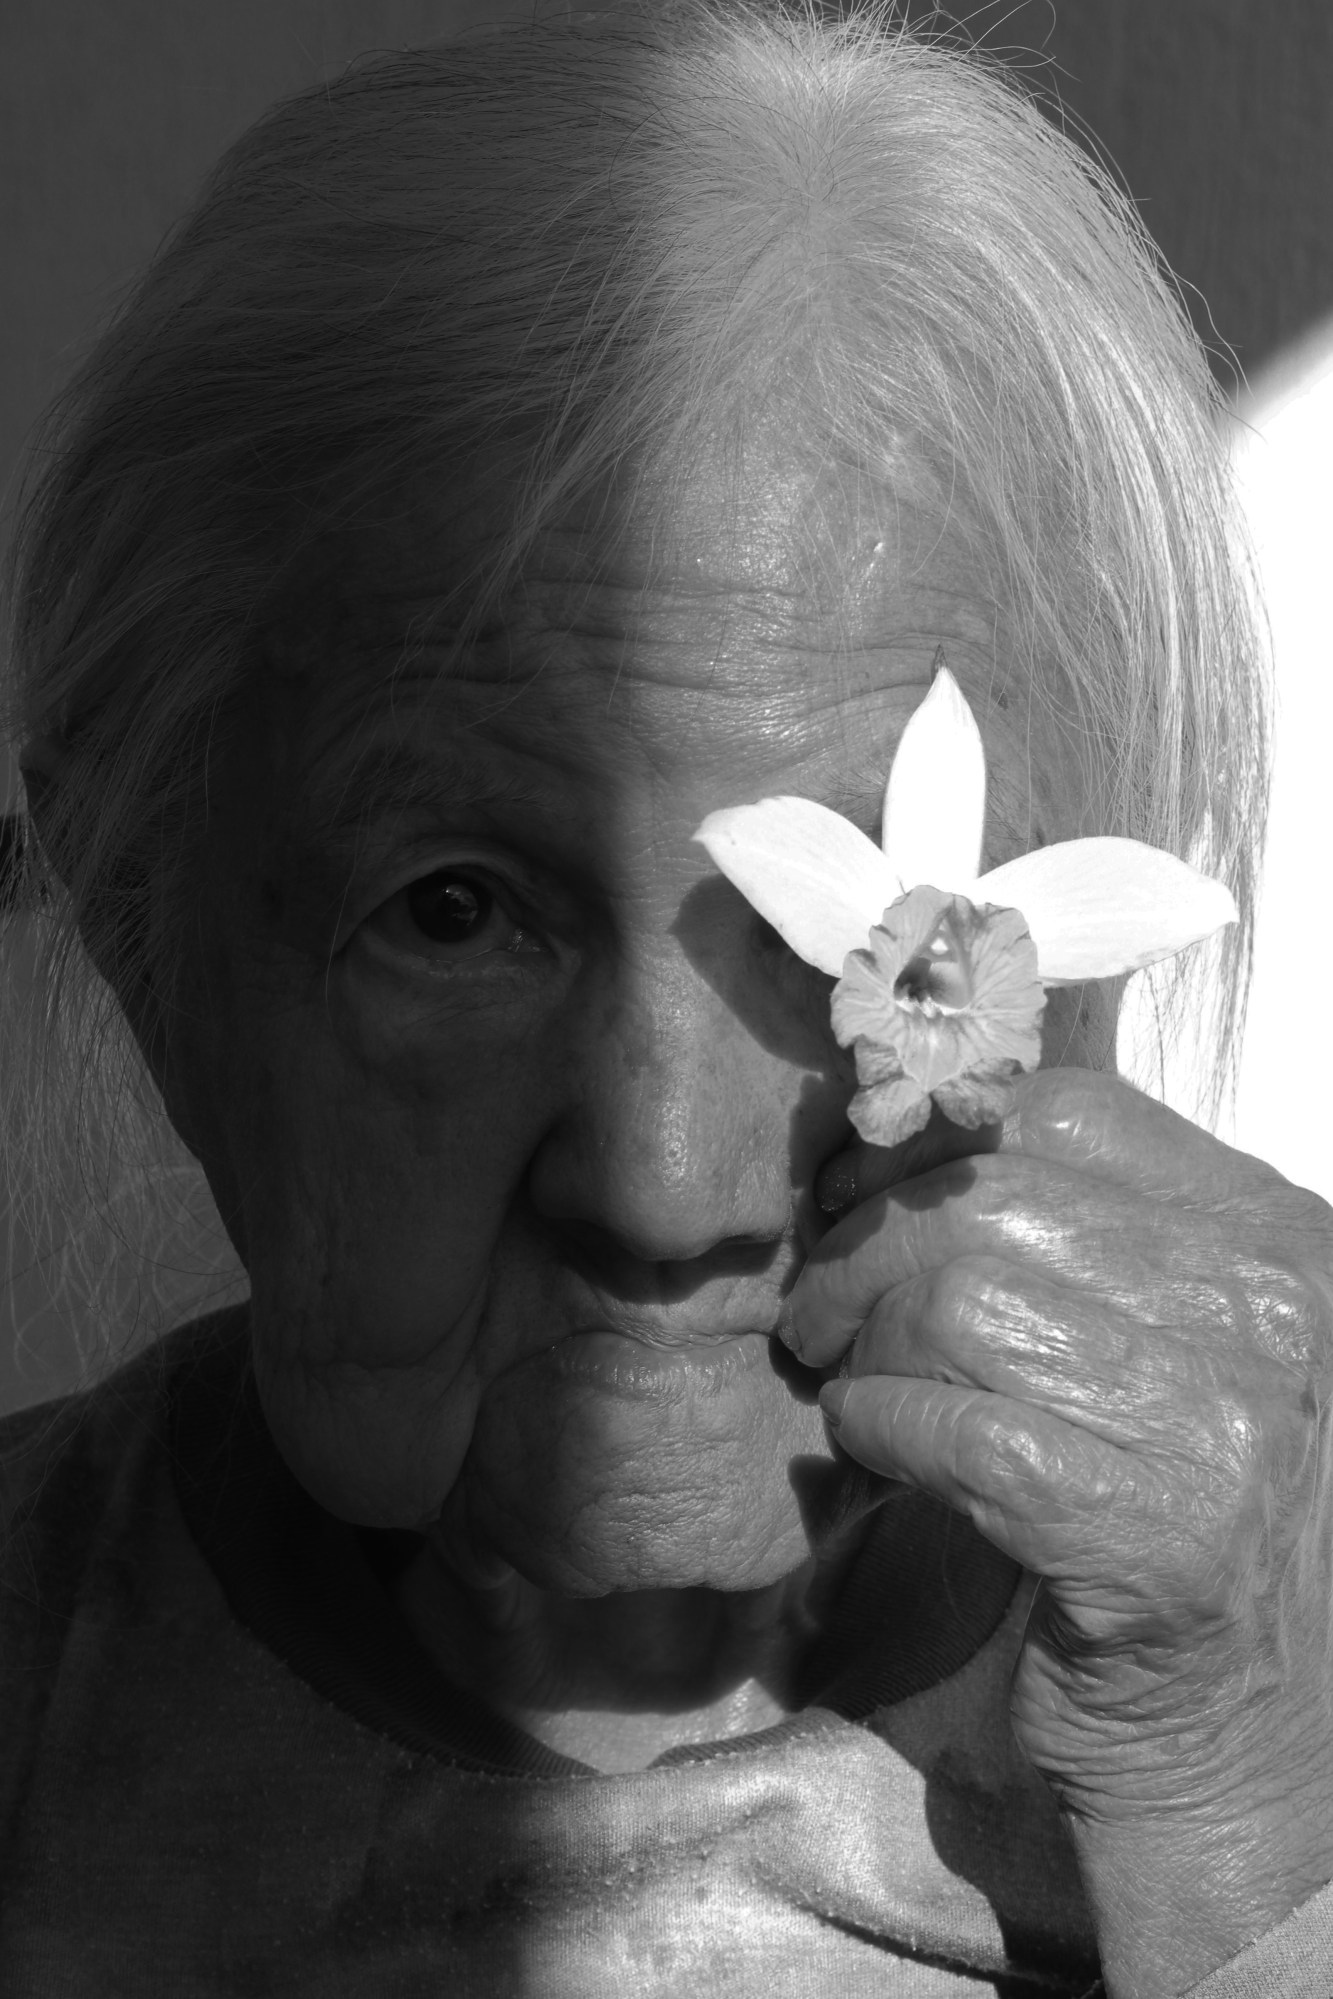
449 910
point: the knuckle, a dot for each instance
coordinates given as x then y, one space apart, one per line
1290 1313
1239 1442
1013 1461
1250 1480
1063 1101
1012 1456
1071 1089
1276 1306
948 1301
963 1295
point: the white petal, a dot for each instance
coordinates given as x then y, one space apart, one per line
820 883
1098 907
935 799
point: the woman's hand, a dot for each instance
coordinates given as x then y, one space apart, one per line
1110 1344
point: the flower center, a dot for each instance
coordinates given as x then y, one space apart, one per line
938 979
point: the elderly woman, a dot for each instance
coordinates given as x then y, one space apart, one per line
529 448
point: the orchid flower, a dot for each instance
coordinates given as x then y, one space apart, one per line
941 969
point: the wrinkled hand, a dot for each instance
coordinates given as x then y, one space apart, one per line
1110 1344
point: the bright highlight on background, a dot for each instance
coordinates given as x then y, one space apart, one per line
1284 1105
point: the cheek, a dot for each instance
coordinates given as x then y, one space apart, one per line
375 1207
376 1219
372 1198
381 1448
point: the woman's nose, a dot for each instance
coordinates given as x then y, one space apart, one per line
676 1130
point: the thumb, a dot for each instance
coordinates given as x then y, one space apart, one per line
851 1177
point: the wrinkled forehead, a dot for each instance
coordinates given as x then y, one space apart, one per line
802 555
795 601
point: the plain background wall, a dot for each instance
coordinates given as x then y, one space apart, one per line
1217 113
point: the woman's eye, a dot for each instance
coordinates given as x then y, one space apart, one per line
448 914
449 910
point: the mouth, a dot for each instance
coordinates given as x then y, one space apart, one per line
637 1363
652 1363
673 1337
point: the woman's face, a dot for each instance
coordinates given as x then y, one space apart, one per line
511 1104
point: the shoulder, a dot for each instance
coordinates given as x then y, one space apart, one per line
84 1482
65 1466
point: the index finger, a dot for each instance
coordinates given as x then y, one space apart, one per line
1097 1123
1082 1118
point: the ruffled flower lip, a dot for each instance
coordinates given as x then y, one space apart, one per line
943 1005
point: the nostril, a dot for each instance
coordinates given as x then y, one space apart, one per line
637 1272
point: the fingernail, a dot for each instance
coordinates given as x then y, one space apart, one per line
786 1328
832 1396
835 1186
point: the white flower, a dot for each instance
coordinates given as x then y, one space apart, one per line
940 999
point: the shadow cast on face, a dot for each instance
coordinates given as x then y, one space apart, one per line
705 928
783 1005
924 1185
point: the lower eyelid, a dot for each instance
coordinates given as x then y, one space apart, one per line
396 961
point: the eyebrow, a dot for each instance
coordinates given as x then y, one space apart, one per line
350 790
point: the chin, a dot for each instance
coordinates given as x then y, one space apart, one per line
627 1542
585 1491
608 1572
